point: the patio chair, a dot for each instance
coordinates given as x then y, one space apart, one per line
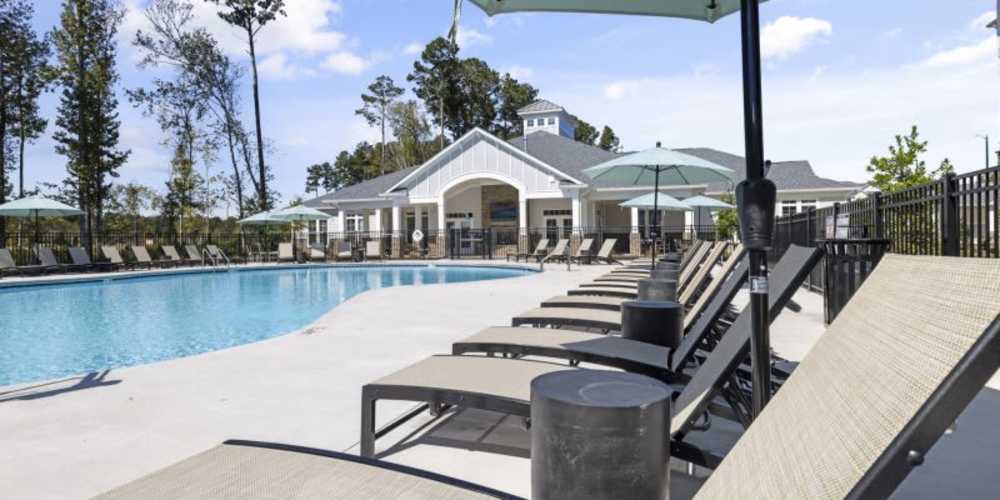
373 249
558 252
218 255
696 283
583 252
110 252
48 259
317 252
285 252
81 258
170 252
605 253
258 470
194 255
537 254
8 266
142 257
692 265
343 250
606 291
493 386
571 317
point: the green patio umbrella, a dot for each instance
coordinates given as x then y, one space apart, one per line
651 166
298 213
756 195
37 206
699 202
261 219
661 201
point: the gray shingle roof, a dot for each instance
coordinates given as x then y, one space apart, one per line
364 190
786 175
562 153
540 106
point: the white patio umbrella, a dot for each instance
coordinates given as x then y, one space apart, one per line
37 206
656 165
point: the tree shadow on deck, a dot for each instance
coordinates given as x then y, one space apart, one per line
57 387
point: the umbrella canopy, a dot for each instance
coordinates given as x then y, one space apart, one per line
706 202
701 10
663 202
36 206
673 168
261 219
298 213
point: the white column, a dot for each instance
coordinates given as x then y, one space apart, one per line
441 212
342 217
397 219
634 213
575 209
418 218
522 214
377 221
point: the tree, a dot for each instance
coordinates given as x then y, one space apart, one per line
584 132
903 168
436 79
24 66
130 200
383 92
609 141
414 144
727 221
183 189
250 16
480 87
87 117
513 95
320 175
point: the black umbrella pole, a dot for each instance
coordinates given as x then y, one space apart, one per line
756 199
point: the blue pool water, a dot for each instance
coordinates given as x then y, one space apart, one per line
59 330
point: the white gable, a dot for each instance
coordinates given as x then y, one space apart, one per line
479 155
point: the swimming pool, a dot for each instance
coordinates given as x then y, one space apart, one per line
59 330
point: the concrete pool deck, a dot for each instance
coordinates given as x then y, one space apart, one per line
82 436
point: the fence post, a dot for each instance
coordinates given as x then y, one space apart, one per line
879 221
836 212
949 216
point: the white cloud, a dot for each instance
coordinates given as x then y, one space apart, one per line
983 51
788 35
519 72
277 66
413 48
468 37
834 116
346 63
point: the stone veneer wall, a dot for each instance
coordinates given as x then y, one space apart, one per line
494 194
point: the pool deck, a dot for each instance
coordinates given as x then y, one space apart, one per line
80 436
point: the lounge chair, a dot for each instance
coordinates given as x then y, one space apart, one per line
688 269
583 252
48 260
696 283
195 255
81 258
110 252
142 257
170 252
218 255
606 291
285 252
558 252
8 266
605 253
257 470
317 252
343 250
538 254
373 249
585 301
572 317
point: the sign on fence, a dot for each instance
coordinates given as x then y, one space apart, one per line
837 228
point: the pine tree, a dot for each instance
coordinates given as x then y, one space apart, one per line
376 105
87 118
609 141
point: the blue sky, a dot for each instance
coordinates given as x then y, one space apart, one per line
841 77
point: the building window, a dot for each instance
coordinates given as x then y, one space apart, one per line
788 208
552 121
806 205
549 213
531 123
353 222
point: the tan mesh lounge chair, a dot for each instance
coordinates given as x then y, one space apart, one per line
142 258
585 301
256 470
344 251
317 252
110 252
170 252
285 252
583 252
697 281
688 270
502 384
538 254
558 252
81 258
194 255
48 260
573 317
606 291
605 254
373 249
217 255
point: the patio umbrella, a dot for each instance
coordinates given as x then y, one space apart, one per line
298 213
651 166
699 202
756 195
261 219
37 206
657 202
